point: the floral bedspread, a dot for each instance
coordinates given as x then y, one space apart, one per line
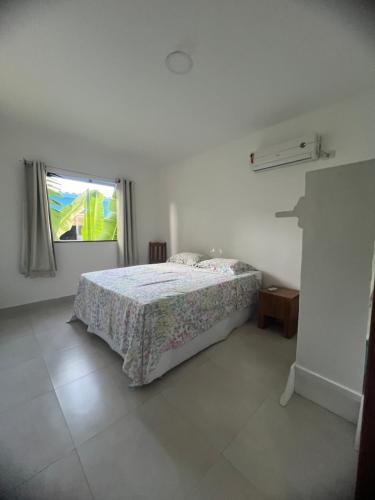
143 311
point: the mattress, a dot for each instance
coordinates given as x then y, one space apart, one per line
143 312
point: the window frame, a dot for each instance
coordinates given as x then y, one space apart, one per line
80 178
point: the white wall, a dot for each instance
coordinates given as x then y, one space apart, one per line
215 200
338 219
25 140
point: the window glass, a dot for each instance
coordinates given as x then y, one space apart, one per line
82 210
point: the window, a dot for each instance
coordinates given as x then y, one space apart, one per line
81 209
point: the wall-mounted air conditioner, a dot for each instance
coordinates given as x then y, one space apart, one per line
301 150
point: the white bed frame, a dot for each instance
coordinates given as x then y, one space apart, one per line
218 332
174 357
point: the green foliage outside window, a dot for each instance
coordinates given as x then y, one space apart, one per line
82 211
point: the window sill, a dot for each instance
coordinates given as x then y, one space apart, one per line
85 241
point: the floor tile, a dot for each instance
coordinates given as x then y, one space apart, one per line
151 453
14 327
18 350
32 435
224 482
46 320
182 370
24 311
103 349
92 403
63 480
215 401
23 382
162 440
138 394
298 452
62 336
257 355
67 365
49 312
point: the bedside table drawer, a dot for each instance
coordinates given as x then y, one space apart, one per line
275 307
282 305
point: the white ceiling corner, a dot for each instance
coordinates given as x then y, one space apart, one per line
97 68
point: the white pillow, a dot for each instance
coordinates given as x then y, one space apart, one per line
227 266
187 258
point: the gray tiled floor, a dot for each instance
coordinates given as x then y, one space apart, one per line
71 429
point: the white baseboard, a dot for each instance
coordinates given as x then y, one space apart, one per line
8 309
357 441
325 392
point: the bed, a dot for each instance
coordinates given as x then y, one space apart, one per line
157 316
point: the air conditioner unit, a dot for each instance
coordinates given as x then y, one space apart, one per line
301 150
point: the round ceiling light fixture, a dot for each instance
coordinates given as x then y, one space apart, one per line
179 62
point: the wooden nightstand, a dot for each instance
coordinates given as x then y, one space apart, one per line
281 304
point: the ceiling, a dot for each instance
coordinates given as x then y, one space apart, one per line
97 68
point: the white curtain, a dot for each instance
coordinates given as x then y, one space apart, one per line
126 228
37 251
